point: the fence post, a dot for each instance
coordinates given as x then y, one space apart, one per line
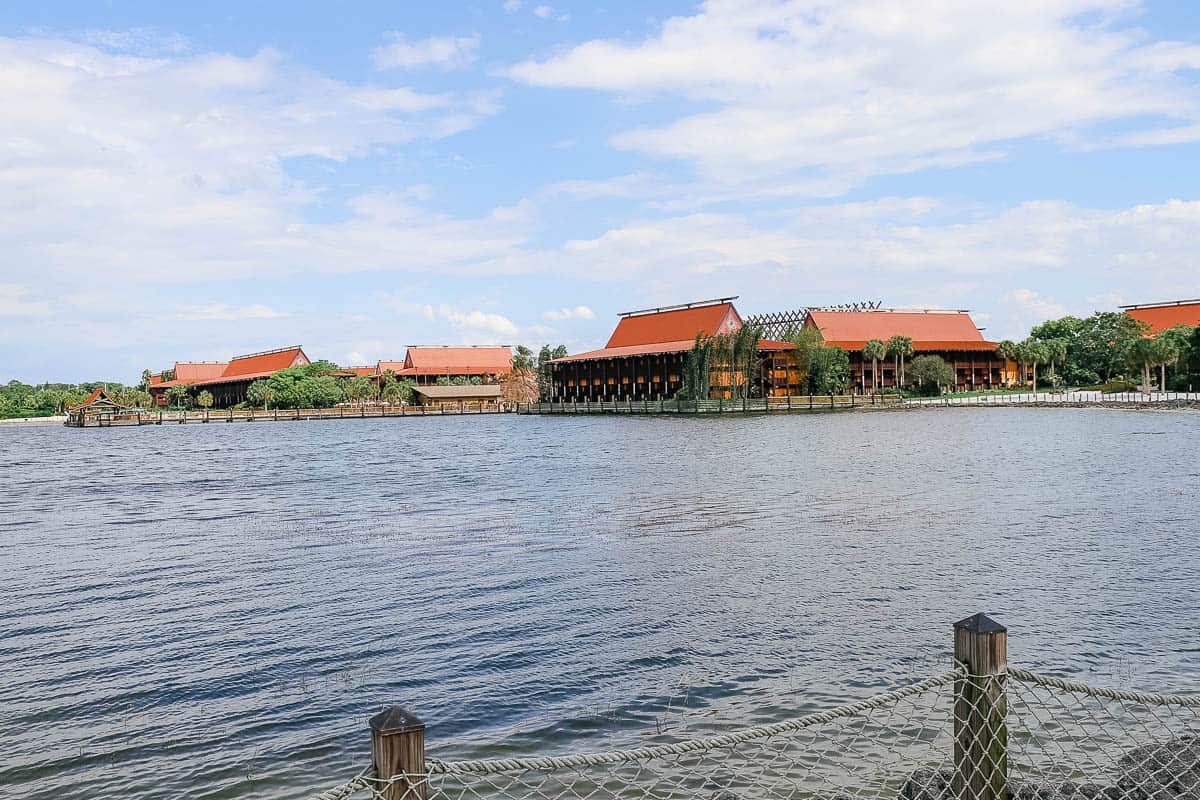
398 748
980 706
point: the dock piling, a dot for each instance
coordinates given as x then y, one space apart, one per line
980 706
397 751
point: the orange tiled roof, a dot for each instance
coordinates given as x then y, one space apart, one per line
394 366
1162 316
365 372
259 364
456 361
929 330
675 326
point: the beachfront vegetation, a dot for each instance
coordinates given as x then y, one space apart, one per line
19 399
876 351
310 386
823 370
728 362
397 392
931 374
901 347
1098 348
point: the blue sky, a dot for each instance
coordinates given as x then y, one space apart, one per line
195 181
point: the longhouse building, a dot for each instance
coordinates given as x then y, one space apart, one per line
226 381
952 335
426 365
644 357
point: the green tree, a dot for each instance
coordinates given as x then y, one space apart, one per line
524 359
179 394
828 371
931 373
875 350
321 391
1055 352
1180 339
146 378
358 389
807 341
1031 353
901 347
204 399
398 392
1007 350
260 393
1144 356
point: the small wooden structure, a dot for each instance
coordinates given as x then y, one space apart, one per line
456 396
101 411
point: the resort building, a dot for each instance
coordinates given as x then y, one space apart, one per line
226 381
952 335
426 365
457 396
1161 316
644 357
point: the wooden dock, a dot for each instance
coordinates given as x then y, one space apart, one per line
137 418
773 405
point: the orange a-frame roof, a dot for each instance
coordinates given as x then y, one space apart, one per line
675 325
484 360
929 330
260 364
1161 316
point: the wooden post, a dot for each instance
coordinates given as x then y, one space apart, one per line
398 748
980 706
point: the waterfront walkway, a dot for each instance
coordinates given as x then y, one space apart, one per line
135 418
815 403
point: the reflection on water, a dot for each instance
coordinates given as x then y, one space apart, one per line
214 611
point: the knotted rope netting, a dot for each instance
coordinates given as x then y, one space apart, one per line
1059 740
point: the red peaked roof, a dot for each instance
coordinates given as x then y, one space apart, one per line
675 326
1162 316
929 330
260 364
454 361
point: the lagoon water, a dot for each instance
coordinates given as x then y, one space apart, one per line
214 611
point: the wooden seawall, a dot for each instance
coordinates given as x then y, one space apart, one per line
773 405
135 418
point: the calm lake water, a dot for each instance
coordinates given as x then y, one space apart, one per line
214 611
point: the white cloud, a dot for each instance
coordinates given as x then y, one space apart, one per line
1025 308
174 169
14 302
447 52
478 321
468 322
803 90
511 6
221 311
543 12
563 314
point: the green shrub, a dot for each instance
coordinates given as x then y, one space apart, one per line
1113 387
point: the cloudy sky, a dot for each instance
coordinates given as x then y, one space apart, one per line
195 181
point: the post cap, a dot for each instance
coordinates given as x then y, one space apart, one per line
980 623
396 720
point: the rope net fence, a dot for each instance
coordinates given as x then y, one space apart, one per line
953 736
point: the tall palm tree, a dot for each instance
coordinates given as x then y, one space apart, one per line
1007 350
875 350
1056 353
901 347
1165 352
1031 352
1143 355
